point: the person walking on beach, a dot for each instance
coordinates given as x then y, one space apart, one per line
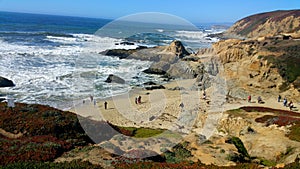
91 97
105 105
290 105
136 100
181 105
259 100
204 95
279 98
95 102
285 102
139 99
249 98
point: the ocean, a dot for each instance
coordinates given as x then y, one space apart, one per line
55 60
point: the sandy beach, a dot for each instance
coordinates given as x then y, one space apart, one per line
158 108
161 108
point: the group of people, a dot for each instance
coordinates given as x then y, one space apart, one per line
285 102
91 99
259 99
138 100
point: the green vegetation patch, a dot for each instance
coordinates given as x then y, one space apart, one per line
255 23
237 142
139 132
267 163
147 132
236 112
288 64
294 133
179 153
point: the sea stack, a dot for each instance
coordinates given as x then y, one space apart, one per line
177 48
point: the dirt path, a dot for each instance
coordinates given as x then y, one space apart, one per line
10 135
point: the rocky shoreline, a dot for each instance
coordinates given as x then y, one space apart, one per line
200 119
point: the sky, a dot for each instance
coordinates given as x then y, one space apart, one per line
195 11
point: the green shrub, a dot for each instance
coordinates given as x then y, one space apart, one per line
294 133
237 142
267 163
178 154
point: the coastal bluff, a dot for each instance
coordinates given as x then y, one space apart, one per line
267 24
260 55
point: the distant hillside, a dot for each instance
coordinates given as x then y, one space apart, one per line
267 24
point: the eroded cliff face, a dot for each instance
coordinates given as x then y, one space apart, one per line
267 24
266 67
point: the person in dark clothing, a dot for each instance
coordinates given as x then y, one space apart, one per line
259 100
105 105
285 102
279 98
291 105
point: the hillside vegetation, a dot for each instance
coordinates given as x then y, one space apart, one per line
269 23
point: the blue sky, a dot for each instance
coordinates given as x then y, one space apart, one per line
196 11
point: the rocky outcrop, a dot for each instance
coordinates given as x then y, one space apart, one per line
267 24
167 60
169 53
159 68
154 87
121 53
177 48
150 83
114 79
6 82
263 66
183 70
262 57
230 50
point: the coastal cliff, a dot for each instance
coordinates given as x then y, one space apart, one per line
267 24
267 61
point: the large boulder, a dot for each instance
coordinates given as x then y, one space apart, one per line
155 87
181 70
121 53
177 48
6 83
159 68
114 79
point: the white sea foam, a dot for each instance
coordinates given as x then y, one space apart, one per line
64 40
73 69
57 75
191 34
160 30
